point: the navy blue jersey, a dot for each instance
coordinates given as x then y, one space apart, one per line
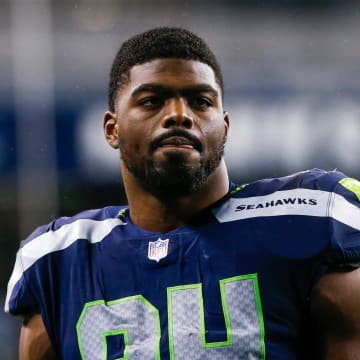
234 283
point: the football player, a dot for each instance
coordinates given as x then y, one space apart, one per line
195 266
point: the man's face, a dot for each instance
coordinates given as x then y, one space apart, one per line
170 125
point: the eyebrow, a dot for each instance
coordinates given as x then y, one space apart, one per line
162 89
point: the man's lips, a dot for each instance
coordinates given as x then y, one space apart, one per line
176 139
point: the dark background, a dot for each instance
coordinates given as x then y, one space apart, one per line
291 70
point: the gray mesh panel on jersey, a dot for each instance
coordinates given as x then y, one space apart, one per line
244 320
133 316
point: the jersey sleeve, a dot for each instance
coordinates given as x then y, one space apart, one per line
21 298
344 215
35 274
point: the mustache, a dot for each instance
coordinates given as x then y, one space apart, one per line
155 143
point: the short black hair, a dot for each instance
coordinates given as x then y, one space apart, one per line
158 43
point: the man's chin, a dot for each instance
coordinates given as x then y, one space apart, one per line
174 180
172 174
170 188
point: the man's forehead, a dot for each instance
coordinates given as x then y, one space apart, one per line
169 69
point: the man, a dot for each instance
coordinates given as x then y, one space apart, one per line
194 267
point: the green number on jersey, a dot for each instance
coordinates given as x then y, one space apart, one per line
138 322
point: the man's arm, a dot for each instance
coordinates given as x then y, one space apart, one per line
34 341
335 314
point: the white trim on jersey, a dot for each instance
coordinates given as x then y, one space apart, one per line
345 212
92 230
304 202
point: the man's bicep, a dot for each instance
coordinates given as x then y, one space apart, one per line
335 314
34 341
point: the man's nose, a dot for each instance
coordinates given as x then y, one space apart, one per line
177 114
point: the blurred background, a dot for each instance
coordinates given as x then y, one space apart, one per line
291 69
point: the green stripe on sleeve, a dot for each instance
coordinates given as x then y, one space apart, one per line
352 185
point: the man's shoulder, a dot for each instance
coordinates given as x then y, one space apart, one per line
315 179
312 193
64 238
85 222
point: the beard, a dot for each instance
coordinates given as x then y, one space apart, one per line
175 177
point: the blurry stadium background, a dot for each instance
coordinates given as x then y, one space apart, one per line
291 69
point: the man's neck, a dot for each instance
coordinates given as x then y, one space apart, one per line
151 213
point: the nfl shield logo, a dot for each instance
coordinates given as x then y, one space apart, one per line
158 249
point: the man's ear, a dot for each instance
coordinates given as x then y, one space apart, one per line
111 129
226 121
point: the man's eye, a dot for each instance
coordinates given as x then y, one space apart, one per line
201 102
151 102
